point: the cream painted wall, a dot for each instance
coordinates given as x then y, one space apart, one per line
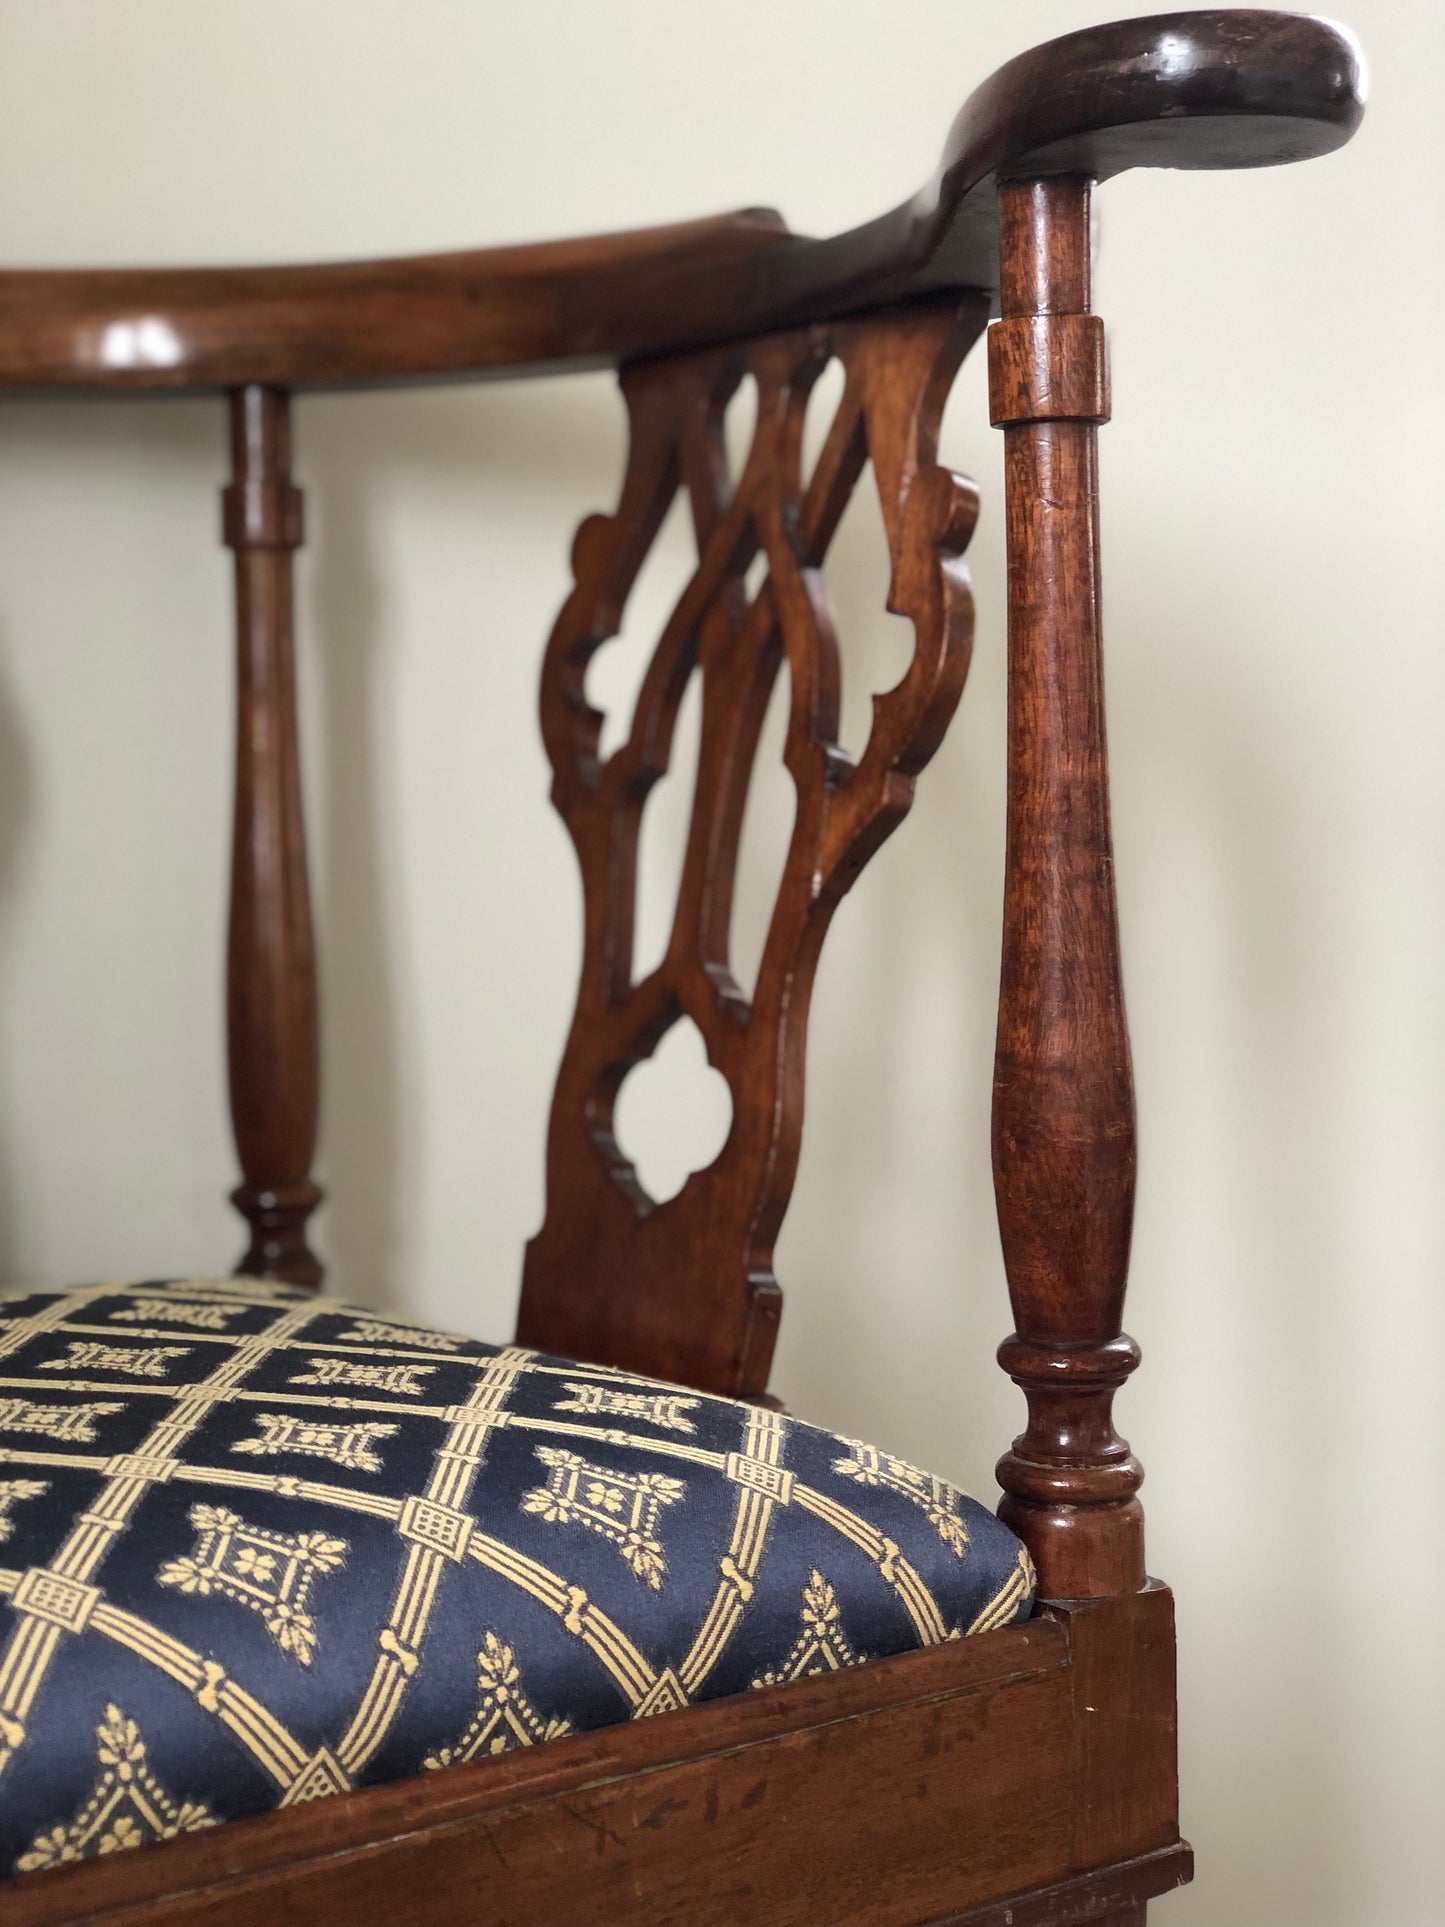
1273 520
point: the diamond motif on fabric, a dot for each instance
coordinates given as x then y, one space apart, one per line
771 1479
371 1378
127 1807
620 1506
12 1491
821 1646
505 1718
704 1535
48 1595
349 1446
71 1424
663 1409
271 1572
175 1311
371 1331
143 1361
868 1466
439 1526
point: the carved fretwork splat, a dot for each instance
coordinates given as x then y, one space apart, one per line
685 1289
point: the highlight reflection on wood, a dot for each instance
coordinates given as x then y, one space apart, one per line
1020 1778
685 1289
270 958
1063 1108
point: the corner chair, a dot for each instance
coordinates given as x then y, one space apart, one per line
506 1555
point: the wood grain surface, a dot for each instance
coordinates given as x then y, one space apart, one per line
271 1023
684 1288
1224 88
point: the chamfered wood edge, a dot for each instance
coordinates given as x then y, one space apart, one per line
361 1823
1223 88
1093 1896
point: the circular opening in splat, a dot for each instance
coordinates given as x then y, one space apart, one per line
673 1113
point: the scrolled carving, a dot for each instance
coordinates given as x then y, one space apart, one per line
685 1289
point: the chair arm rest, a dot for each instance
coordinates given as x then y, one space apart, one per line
1235 88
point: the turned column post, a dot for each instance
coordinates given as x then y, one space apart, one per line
270 959
1063 1113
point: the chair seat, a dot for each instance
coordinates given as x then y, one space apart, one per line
258 1547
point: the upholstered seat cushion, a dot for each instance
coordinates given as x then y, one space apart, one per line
257 1547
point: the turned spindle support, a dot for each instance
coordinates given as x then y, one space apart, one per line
1063 1116
270 959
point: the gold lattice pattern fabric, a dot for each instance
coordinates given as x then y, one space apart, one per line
257 1547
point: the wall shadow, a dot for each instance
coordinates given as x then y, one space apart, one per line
339 637
62 458
17 789
358 457
1266 1757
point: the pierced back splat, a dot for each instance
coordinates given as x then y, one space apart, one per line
685 1289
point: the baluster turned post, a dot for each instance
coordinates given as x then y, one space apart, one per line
1063 1120
270 960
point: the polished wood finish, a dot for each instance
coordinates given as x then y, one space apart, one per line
946 1785
1063 1109
270 959
1225 88
685 1289
1022 1778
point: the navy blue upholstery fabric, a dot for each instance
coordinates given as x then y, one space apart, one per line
258 1547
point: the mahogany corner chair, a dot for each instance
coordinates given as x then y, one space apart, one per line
1022 1776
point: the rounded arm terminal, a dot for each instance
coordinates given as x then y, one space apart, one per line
1223 88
